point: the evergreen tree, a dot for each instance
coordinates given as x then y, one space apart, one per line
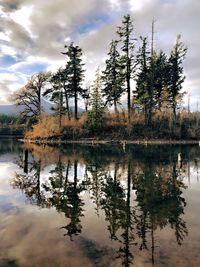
75 73
95 115
152 76
112 77
86 96
161 72
142 94
125 33
66 90
176 77
59 92
55 93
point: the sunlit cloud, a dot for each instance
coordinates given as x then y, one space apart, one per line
22 17
33 33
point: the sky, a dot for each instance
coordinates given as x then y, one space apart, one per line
33 34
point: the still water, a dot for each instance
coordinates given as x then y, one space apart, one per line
102 206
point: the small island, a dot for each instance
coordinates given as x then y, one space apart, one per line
136 97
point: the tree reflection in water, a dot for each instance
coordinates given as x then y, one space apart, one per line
138 195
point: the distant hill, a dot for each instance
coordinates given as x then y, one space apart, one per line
8 109
14 110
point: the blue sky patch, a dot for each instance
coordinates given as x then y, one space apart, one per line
7 60
30 69
94 23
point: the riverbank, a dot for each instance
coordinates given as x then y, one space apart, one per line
182 130
93 141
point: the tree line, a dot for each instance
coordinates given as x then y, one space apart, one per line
158 78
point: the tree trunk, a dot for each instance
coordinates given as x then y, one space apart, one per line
174 110
115 108
39 104
75 105
129 100
60 110
25 161
75 173
67 105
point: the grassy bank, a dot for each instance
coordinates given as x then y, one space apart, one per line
184 128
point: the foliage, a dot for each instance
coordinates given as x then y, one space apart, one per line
142 94
157 95
125 33
176 77
8 119
75 73
46 128
94 120
113 77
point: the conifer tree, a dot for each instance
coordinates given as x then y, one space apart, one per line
161 78
75 73
59 92
176 77
112 77
142 94
125 33
66 90
95 115
86 96
55 94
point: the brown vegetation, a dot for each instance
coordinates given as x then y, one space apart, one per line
185 126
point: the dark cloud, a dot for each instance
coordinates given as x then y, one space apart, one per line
10 5
19 38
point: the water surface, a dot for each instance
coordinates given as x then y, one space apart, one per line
99 206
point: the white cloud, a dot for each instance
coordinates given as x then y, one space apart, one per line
37 31
22 17
137 5
8 50
4 37
115 4
8 77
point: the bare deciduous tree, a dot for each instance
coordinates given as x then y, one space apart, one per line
29 96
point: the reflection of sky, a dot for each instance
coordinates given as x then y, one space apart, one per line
29 234
192 177
32 236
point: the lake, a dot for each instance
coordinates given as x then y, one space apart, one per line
102 206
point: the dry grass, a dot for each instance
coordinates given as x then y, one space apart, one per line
72 123
113 119
46 128
184 126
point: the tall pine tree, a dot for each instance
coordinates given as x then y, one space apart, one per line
75 73
161 79
112 77
142 94
125 32
95 115
176 77
55 93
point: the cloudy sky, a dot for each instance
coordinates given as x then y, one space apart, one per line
34 32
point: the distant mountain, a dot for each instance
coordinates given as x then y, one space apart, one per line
14 110
8 109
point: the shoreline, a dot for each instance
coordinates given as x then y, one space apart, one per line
114 142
